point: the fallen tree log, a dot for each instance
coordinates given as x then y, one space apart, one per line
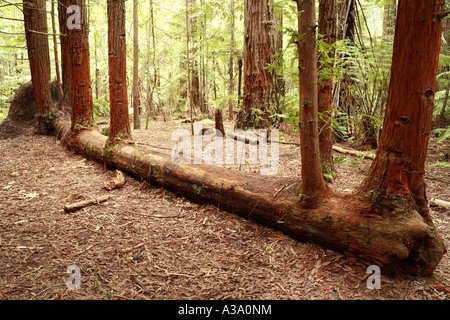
377 231
354 152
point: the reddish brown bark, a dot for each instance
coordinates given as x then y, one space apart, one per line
120 119
81 91
397 172
66 65
35 17
313 183
259 101
327 28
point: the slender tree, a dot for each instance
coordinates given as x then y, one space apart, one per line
120 119
203 62
231 66
313 183
327 28
66 64
389 16
35 17
151 65
136 102
80 70
55 46
190 96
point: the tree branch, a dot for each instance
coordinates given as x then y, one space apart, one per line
442 15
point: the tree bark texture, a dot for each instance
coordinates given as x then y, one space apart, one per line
397 173
35 17
81 95
260 94
120 119
313 183
327 28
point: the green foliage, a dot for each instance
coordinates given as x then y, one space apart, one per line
348 161
290 112
440 164
101 108
443 134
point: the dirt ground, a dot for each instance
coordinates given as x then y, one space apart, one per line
147 243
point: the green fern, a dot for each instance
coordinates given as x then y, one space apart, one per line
440 164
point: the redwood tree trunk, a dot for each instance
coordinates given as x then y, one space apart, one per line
120 119
327 27
35 17
397 173
313 183
81 95
259 101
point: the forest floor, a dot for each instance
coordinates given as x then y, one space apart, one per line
147 243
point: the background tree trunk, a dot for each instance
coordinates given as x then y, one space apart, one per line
327 28
55 46
136 101
151 62
35 17
192 61
120 119
313 183
231 103
66 64
81 95
190 97
389 17
441 119
259 101
397 173
203 63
